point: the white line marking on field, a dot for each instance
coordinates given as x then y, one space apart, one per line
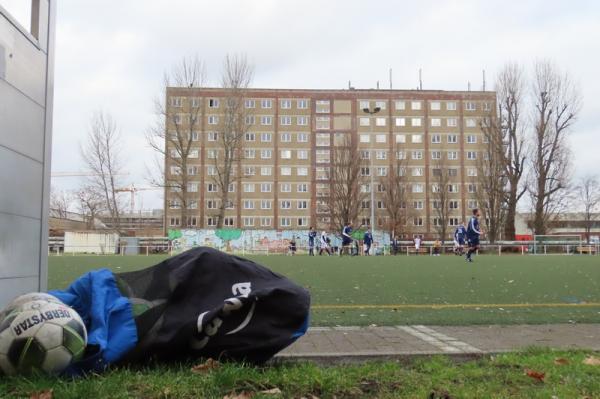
439 340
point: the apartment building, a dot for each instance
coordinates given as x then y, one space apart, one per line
288 146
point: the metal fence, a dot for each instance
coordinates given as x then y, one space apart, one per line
162 245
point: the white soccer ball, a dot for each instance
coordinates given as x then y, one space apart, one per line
41 335
22 299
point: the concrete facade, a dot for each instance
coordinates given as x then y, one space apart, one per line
26 92
292 135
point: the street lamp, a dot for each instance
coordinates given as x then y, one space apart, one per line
371 156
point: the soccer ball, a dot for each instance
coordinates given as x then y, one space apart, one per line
40 335
21 300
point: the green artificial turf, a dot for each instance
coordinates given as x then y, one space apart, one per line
503 376
394 282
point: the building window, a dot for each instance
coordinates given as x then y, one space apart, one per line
365 154
435 105
451 105
248 221
285 204
192 187
381 138
286 188
174 221
302 138
265 187
286 137
302 171
400 138
265 204
472 204
418 204
266 120
286 154
265 171
176 102
365 138
364 104
211 170
418 221
265 137
285 222
302 188
323 140
266 103
322 156
400 121
417 154
382 171
193 204
265 222
228 222
417 172
417 188
472 188
213 119
365 171
302 120
322 107
436 122
436 155
249 153
302 222
250 136
400 105
452 122
470 106
381 154
213 103
436 138
248 187
364 121
250 120
452 172
249 170
286 171
302 204
471 139
452 155
472 155
417 138
400 155
285 120
302 104
415 122
452 188
286 104
470 122
452 139
302 154
265 154
211 187
415 105
380 121
453 204
248 204
322 122
249 103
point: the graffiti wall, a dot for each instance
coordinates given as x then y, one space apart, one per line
237 240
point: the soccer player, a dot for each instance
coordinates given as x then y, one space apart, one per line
312 234
346 237
473 233
324 244
459 239
417 240
368 241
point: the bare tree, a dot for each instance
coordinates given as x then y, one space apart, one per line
556 105
60 201
102 157
491 183
440 194
347 185
397 197
237 76
506 134
588 192
90 203
173 135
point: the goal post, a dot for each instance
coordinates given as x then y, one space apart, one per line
556 244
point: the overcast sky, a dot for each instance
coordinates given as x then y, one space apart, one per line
110 55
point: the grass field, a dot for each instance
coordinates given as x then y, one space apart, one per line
503 376
416 290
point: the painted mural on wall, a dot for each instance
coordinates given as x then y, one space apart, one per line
237 240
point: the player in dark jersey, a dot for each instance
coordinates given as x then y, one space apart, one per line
460 235
473 233
312 234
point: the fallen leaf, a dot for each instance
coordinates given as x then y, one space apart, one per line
42 395
535 374
241 395
560 361
592 361
208 365
274 391
511 281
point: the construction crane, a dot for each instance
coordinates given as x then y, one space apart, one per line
133 190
